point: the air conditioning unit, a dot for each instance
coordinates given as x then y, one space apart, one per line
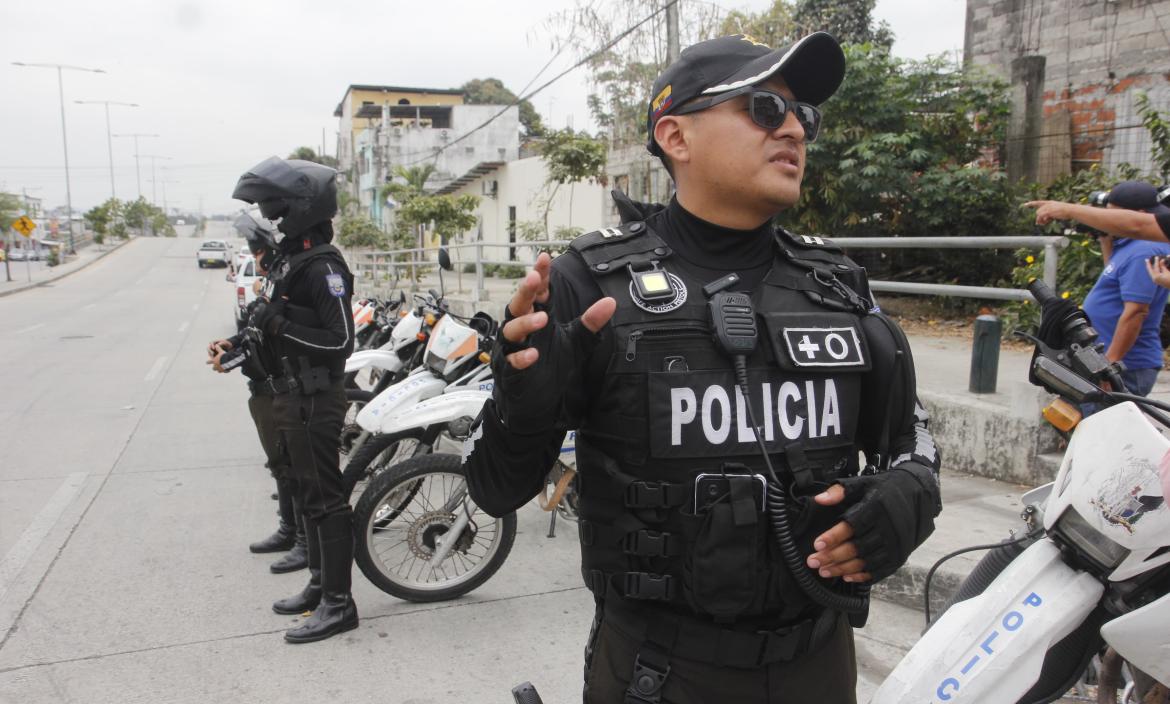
490 188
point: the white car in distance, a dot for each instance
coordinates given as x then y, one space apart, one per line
213 253
246 282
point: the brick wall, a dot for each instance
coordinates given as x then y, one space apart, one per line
1097 54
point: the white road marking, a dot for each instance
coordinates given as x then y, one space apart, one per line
30 328
184 326
35 534
156 368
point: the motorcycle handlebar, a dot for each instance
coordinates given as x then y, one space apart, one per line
1042 292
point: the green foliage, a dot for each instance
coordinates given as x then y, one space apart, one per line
360 231
308 154
447 215
573 157
503 271
408 182
53 258
898 155
851 21
1080 263
10 210
116 217
1158 126
491 91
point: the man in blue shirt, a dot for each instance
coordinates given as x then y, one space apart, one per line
1125 305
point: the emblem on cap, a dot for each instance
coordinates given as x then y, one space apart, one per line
657 291
661 103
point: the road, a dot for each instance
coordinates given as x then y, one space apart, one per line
131 482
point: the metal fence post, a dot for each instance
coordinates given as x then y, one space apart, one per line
985 355
1051 256
481 293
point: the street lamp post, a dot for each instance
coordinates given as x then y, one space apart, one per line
64 138
137 166
153 178
109 137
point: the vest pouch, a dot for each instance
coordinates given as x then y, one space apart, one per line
723 568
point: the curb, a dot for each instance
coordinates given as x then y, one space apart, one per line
38 284
905 587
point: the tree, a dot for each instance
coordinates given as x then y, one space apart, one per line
447 215
104 218
408 182
571 157
10 210
491 91
850 21
307 154
139 214
1158 125
360 231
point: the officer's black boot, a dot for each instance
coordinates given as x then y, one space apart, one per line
298 557
310 596
285 536
337 613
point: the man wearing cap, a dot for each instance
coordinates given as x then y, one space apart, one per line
1146 219
1126 304
723 375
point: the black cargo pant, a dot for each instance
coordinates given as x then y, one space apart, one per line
310 432
260 406
826 675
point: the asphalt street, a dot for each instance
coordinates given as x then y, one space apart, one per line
131 483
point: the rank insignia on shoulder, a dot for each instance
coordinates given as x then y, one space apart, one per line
336 284
656 290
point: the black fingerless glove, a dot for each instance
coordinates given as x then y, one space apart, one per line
892 514
529 400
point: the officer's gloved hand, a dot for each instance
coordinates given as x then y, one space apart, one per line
892 514
269 316
532 360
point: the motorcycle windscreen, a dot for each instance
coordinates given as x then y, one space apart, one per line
991 648
1114 475
1141 638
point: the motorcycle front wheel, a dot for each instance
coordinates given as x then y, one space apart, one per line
407 512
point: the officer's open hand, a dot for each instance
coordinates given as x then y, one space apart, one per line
530 393
525 320
890 514
836 553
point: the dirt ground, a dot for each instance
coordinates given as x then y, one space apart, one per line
925 316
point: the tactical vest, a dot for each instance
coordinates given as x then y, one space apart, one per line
284 282
668 410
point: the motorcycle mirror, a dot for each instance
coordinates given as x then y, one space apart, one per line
444 259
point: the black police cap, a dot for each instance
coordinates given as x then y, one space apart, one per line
813 68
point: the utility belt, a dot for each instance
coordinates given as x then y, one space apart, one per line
690 638
303 379
261 387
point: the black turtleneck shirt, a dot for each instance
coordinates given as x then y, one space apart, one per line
705 250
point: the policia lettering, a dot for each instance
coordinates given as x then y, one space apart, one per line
793 411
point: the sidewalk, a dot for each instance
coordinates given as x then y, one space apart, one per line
43 274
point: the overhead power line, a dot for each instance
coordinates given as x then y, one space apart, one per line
606 47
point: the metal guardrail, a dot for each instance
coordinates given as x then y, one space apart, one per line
385 265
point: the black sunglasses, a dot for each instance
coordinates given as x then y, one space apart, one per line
767 109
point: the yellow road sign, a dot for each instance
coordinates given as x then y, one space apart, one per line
24 226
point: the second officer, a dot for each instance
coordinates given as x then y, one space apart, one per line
308 323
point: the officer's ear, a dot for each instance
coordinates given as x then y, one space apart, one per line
671 134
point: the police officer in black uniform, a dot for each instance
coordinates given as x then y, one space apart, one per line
259 365
723 375
308 323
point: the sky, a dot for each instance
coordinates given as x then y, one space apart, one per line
227 83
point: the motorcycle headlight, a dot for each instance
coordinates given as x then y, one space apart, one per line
1088 541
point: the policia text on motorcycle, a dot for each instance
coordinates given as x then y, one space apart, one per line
723 375
305 322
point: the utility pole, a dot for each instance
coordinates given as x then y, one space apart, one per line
137 165
109 136
153 178
64 137
672 48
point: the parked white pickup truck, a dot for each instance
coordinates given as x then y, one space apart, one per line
213 253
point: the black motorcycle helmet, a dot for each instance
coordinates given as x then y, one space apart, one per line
300 197
260 234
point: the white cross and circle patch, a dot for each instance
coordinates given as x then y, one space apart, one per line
824 347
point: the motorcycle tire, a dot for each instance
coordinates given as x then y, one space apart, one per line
430 481
377 454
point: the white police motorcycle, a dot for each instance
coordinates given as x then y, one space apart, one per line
1099 575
